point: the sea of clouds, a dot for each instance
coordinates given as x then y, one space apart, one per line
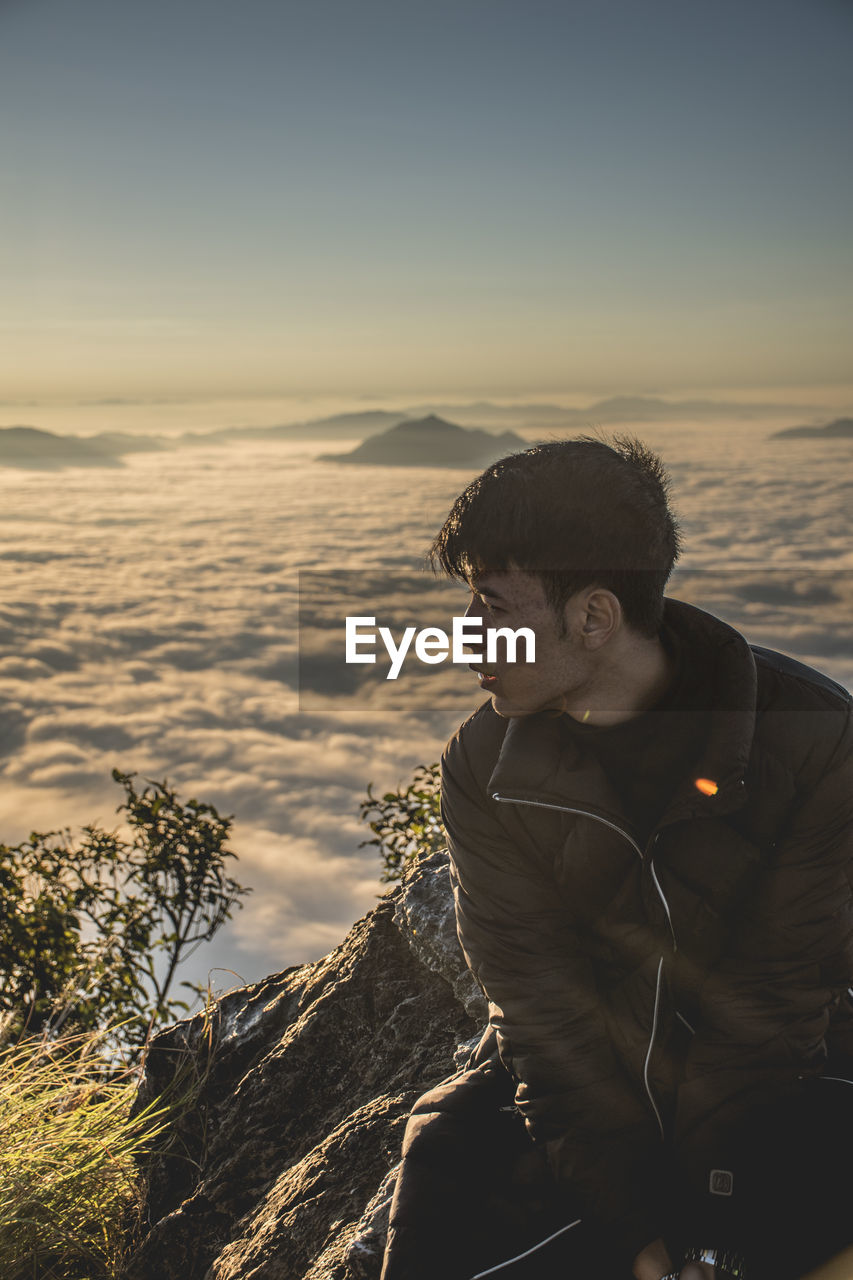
149 620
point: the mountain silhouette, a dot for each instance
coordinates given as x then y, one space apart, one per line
430 442
344 426
40 450
608 412
839 429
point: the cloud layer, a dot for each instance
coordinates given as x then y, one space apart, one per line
149 621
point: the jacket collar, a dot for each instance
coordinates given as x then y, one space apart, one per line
540 763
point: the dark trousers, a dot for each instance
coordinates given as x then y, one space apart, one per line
475 1197
474 1192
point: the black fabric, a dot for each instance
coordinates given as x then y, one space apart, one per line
596 952
792 1211
644 759
474 1193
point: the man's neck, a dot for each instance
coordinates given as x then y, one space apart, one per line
631 680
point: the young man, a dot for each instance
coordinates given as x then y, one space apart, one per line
651 839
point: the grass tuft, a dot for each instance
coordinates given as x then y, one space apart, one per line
70 1155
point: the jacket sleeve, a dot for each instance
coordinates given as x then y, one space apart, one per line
601 1138
765 1008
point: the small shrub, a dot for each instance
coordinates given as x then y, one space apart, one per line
96 927
405 821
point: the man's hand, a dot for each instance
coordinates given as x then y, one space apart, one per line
653 1262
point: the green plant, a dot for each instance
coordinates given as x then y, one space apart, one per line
70 1152
95 927
405 821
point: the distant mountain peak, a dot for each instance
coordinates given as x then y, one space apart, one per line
839 429
35 449
21 432
430 441
431 422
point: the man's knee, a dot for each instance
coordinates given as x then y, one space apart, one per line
453 1115
469 1093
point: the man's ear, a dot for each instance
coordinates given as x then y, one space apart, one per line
602 617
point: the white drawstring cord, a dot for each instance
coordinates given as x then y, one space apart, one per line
527 1252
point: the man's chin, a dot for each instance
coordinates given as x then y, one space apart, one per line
506 708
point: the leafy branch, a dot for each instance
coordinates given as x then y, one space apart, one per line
95 928
405 821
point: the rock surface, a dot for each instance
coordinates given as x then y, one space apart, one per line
283 1167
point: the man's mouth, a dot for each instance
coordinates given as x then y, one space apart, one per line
486 678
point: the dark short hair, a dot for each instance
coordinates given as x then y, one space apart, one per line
576 513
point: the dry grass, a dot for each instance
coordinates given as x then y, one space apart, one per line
69 1159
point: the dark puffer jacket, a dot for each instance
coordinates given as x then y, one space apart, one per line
647 999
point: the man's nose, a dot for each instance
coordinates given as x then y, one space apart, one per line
476 609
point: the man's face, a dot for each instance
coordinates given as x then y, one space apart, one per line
561 671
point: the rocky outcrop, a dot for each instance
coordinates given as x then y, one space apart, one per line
282 1167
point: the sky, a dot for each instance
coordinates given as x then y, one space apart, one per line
336 198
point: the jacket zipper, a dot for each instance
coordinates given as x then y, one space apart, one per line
508 1262
649 1051
585 813
564 808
